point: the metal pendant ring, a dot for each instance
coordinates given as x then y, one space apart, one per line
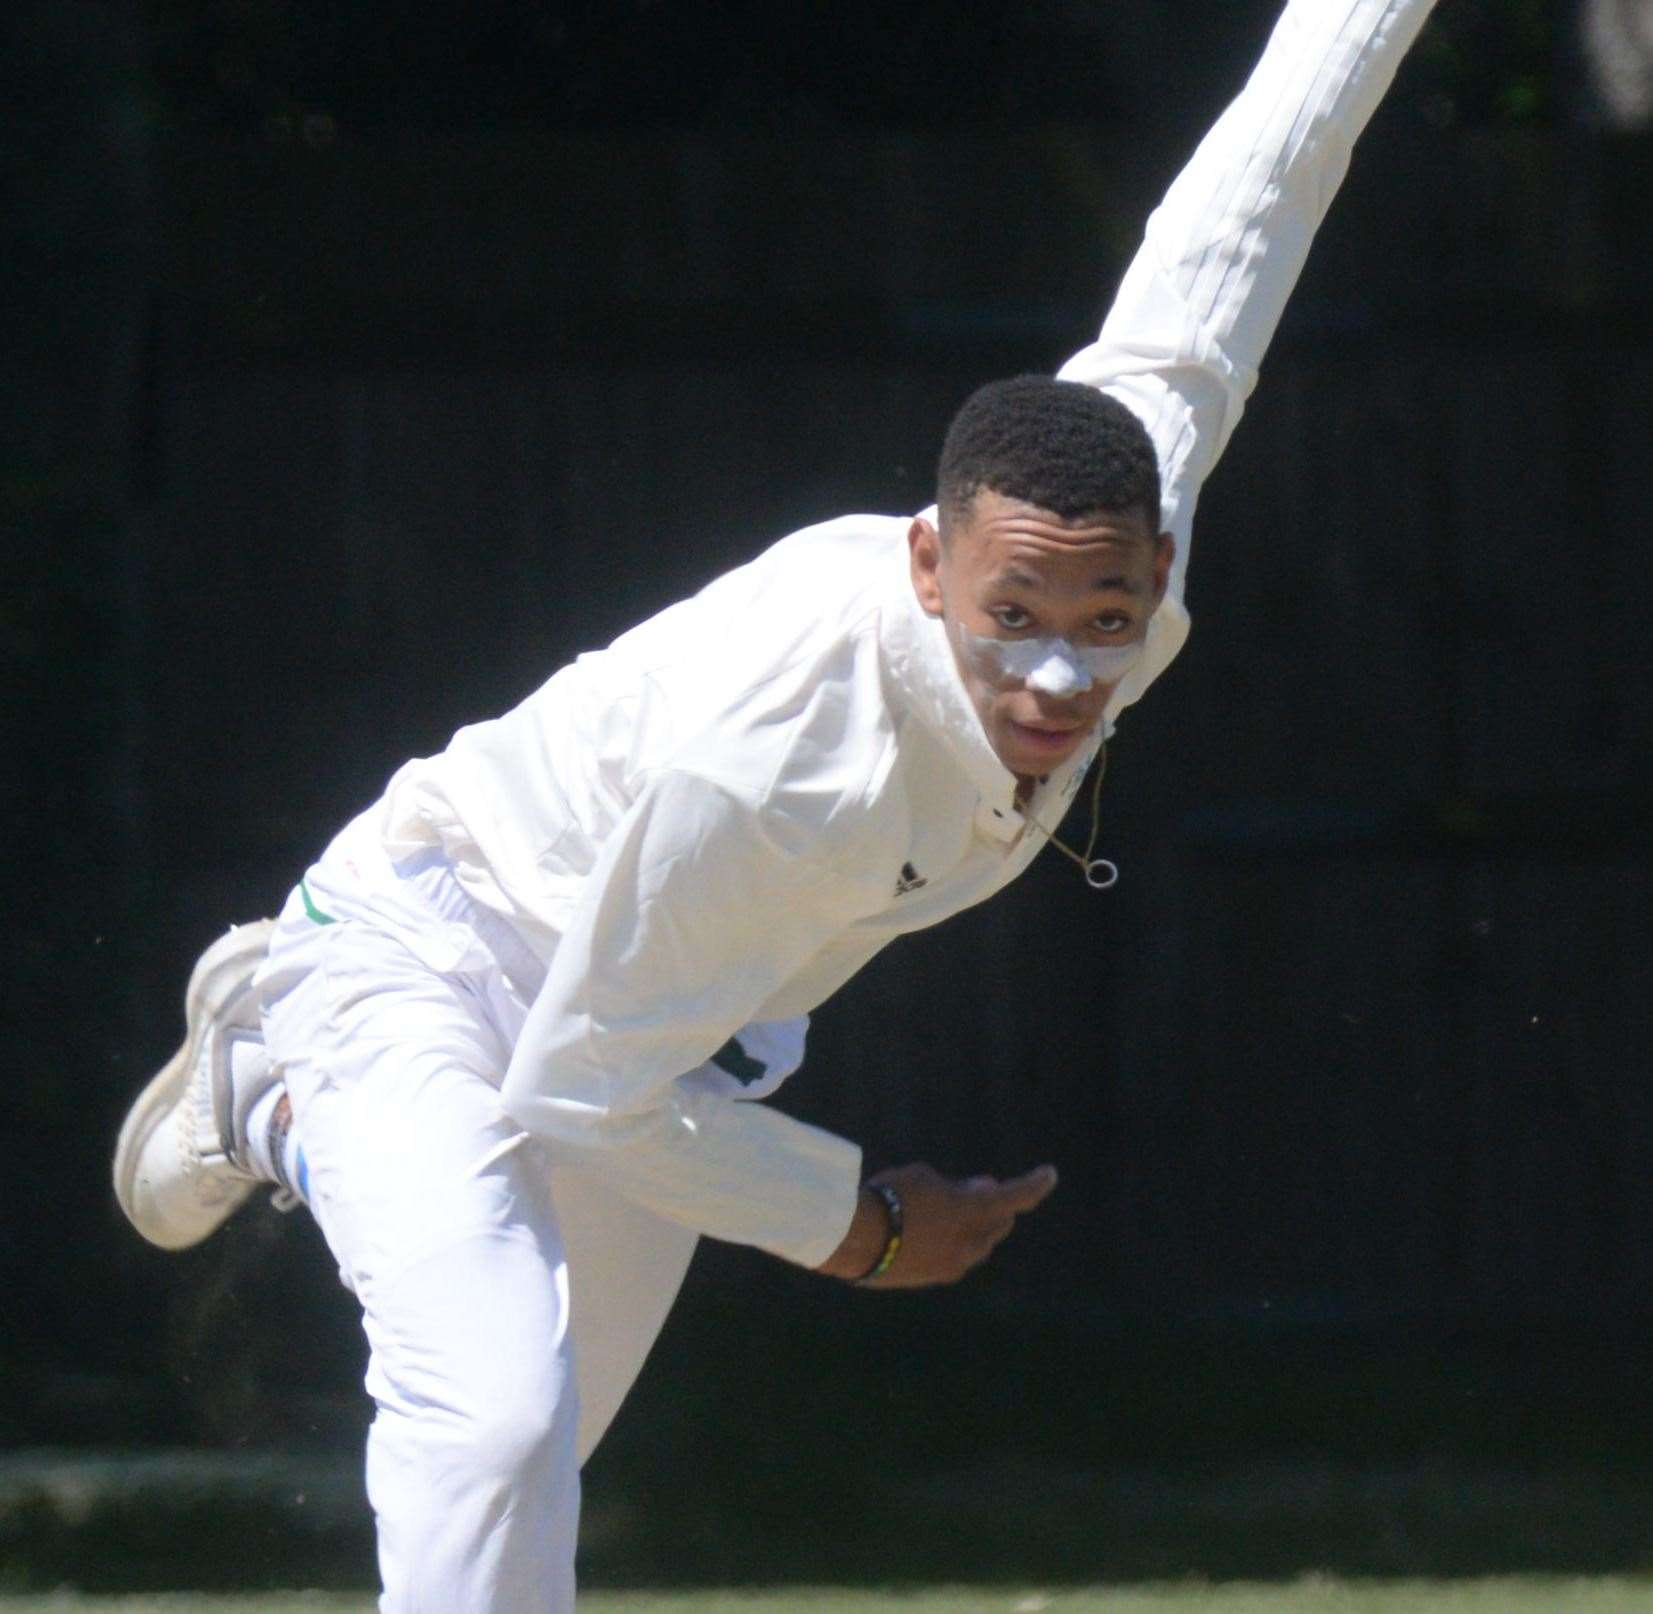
1101 875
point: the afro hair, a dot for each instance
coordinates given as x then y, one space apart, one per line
1060 445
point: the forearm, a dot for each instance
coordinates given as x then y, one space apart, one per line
730 1169
1201 301
866 1239
1235 228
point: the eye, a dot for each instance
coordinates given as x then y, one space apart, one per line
1010 616
1113 622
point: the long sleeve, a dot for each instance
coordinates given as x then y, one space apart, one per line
692 918
1199 304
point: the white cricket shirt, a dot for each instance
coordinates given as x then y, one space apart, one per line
713 823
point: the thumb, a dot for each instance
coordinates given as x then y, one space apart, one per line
1020 1194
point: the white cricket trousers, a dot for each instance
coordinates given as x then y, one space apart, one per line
509 1298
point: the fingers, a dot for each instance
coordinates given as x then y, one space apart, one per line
999 1204
1018 1195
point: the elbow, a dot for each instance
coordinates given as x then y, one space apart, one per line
527 1104
552 1117
520 1106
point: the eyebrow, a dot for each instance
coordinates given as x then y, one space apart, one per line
1112 582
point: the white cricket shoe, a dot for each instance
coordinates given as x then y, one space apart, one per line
179 1169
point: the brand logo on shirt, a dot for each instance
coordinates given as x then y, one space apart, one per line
910 880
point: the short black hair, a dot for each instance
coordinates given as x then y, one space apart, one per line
1061 445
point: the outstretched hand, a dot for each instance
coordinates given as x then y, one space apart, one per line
952 1226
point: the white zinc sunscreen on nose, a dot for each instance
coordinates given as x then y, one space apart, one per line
1050 665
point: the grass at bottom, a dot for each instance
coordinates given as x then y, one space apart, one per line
1310 1595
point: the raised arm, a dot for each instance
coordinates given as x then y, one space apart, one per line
1183 341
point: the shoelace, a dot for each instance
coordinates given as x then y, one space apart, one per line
1100 873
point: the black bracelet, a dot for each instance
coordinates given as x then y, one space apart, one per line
892 1248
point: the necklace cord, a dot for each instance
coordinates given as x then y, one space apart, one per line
1100 873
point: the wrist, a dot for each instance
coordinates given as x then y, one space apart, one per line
895 1221
864 1241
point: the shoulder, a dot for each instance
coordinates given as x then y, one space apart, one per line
771 679
805 588
809 752
795 717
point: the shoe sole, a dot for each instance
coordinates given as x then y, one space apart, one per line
218 976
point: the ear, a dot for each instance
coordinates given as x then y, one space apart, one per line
924 558
1165 551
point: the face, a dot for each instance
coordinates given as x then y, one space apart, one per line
1045 616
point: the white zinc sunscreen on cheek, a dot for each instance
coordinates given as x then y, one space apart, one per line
1050 665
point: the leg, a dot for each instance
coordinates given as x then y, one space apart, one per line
471 1464
625 1266
441 1218
625 1263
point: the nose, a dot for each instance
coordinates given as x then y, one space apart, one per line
1061 673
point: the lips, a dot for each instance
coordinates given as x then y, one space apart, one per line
1039 737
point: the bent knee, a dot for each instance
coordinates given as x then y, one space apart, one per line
471 1355
513 1436
495 1434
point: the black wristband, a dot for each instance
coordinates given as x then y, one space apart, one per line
892 1246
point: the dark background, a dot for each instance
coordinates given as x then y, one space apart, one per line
364 363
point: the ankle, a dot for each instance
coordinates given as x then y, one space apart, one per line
268 1124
